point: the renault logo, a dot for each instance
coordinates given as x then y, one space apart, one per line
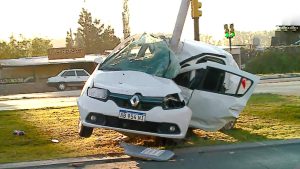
135 100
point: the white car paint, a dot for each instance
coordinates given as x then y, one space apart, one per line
213 110
130 83
193 49
204 110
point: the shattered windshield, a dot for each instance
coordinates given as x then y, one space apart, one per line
147 54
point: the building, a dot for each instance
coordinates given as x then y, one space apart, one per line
29 75
286 35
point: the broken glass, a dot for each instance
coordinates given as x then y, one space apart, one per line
147 54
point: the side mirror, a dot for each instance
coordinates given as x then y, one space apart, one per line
99 60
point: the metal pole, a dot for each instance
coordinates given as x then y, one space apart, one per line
125 18
184 7
229 44
196 29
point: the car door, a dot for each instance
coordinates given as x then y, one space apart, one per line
69 76
82 75
215 93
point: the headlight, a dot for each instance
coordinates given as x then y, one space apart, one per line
97 93
172 102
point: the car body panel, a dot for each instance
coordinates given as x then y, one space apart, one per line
132 82
194 50
212 110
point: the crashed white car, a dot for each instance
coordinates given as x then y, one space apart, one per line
143 87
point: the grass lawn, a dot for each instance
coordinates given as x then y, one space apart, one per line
266 117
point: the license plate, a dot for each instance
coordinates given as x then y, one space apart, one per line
130 115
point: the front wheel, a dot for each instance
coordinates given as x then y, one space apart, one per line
230 125
61 86
84 131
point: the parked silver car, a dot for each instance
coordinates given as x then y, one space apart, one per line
70 77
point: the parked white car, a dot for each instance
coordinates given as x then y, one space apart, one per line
144 88
70 77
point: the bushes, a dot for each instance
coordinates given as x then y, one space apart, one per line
275 60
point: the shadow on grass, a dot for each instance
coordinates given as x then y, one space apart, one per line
244 136
203 138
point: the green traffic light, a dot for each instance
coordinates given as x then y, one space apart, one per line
226 35
232 34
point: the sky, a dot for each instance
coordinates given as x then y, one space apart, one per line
53 18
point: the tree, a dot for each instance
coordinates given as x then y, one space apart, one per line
24 47
207 39
78 41
69 39
108 39
40 46
246 38
93 36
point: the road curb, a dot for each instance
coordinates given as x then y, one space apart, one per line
238 146
70 161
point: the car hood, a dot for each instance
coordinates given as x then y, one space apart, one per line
132 82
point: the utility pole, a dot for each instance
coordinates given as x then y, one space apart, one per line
184 7
196 13
125 17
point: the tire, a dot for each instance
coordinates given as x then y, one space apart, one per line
230 125
61 86
189 133
84 131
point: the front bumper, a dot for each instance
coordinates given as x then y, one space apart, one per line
157 120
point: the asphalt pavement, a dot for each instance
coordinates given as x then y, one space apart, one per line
37 103
259 155
281 88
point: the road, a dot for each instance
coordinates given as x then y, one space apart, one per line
37 103
68 98
238 156
282 88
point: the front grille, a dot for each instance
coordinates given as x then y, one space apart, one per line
145 104
147 126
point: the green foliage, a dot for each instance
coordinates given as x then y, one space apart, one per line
24 47
93 36
69 39
246 38
275 60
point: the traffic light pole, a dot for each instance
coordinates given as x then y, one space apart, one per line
229 43
196 29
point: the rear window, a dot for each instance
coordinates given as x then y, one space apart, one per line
81 73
